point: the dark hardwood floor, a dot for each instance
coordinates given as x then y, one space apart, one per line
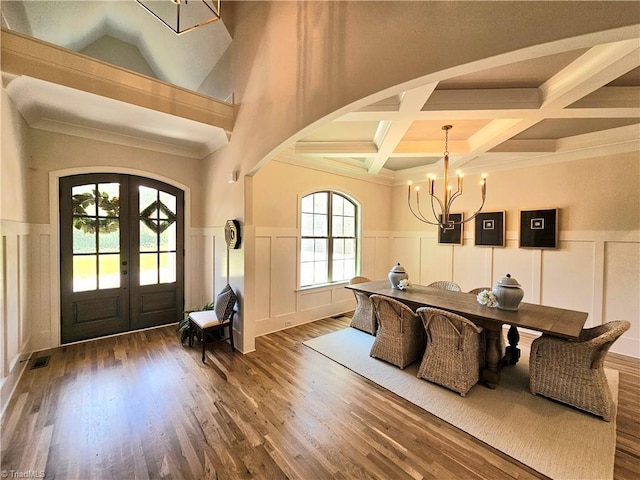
143 406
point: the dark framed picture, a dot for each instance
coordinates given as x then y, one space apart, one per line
490 229
539 228
451 234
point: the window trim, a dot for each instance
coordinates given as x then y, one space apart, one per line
356 237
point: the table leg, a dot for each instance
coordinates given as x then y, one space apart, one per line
512 353
491 371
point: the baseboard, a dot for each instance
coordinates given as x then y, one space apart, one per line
10 382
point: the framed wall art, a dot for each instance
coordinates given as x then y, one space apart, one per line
453 233
539 228
490 231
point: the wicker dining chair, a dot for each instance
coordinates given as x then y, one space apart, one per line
446 285
452 357
476 291
572 372
364 318
401 337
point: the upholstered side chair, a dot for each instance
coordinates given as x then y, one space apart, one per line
453 354
364 318
401 338
572 372
446 285
206 323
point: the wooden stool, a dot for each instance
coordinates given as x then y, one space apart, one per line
206 323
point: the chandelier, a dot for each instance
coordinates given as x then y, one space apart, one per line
441 209
182 16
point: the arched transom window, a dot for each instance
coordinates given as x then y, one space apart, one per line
328 245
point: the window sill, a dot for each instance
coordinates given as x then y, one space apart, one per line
322 286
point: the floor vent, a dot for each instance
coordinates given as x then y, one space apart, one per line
40 362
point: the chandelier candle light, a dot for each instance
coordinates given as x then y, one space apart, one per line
442 218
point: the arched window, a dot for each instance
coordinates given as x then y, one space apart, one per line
328 245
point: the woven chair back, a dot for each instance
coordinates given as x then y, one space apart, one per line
355 280
446 285
476 291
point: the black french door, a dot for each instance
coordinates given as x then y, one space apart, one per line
121 254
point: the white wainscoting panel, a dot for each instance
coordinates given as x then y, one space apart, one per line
44 318
313 299
472 266
437 261
622 292
406 251
263 278
522 264
368 258
384 261
567 277
284 268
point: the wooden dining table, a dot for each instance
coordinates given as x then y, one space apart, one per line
551 320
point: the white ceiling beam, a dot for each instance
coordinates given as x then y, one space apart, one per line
412 101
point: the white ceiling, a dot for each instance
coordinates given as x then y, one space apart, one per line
558 107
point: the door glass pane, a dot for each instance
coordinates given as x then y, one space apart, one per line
148 269
84 200
167 267
169 202
109 199
85 273
84 241
109 268
109 236
168 238
148 237
148 196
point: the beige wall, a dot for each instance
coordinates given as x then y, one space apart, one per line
50 151
594 194
13 158
279 186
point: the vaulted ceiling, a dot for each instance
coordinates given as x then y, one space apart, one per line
556 107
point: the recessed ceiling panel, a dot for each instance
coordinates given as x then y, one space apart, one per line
430 130
569 127
402 163
525 74
630 79
343 132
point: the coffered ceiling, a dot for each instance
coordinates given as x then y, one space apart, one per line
560 107
557 107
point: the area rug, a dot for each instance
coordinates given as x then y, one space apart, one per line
556 440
